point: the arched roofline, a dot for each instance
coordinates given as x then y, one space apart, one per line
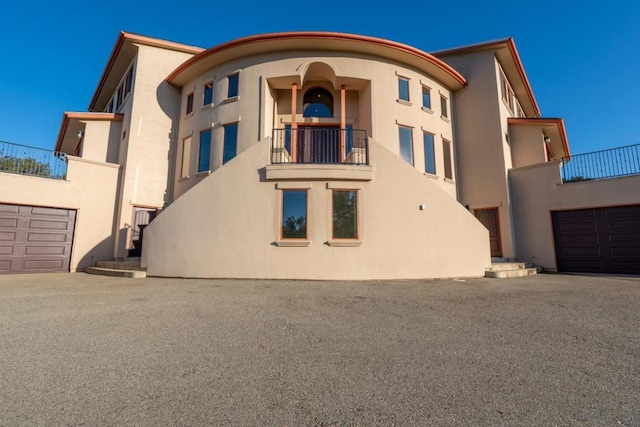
327 41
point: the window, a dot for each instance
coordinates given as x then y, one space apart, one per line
109 108
429 154
406 143
317 102
443 106
122 90
345 213
403 89
294 214
184 160
448 166
233 85
204 152
190 103
230 145
207 98
426 97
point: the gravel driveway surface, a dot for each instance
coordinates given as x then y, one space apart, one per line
77 349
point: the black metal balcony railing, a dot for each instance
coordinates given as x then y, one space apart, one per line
33 161
610 163
324 145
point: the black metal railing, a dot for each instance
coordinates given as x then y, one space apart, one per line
320 145
610 163
33 161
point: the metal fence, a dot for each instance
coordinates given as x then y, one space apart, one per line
33 161
610 163
320 145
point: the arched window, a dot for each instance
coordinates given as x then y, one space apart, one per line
318 102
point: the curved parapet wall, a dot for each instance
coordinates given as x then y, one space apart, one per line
228 225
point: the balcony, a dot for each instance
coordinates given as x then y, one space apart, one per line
32 161
319 152
615 162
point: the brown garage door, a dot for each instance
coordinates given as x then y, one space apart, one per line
35 239
602 240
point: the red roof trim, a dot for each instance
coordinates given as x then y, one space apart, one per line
511 45
320 35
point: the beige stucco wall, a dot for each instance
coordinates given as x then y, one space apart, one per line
372 93
228 226
101 140
484 156
149 128
537 190
527 145
90 188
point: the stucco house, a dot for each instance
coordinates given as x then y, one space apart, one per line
314 155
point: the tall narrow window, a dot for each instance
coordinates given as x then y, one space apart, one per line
185 157
443 106
426 97
204 152
189 109
207 98
233 85
345 214
429 154
403 89
406 143
448 164
230 146
294 214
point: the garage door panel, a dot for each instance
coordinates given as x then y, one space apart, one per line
625 237
42 224
613 233
50 211
42 264
46 237
9 208
47 250
9 222
35 239
581 251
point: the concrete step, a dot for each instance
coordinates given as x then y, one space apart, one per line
132 274
500 266
509 274
121 265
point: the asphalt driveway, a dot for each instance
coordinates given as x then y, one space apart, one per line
77 349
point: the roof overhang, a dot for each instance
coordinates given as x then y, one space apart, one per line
553 128
124 51
508 57
316 41
72 123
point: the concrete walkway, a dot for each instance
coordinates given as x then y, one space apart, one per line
77 349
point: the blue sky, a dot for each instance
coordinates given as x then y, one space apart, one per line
582 57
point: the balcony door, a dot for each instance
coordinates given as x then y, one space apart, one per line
319 144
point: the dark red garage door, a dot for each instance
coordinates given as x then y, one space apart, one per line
35 239
602 240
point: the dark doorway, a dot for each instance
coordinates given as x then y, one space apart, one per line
491 220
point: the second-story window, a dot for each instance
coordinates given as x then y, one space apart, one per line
234 80
444 107
207 98
429 154
406 143
204 151
189 108
403 89
448 161
230 143
426 97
